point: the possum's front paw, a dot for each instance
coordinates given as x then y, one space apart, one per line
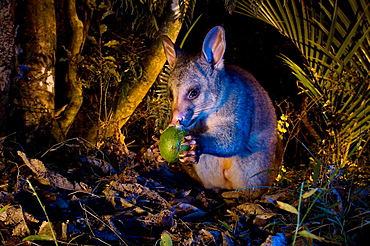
191 155
155 150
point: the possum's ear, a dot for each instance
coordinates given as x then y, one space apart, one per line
214 46
171 50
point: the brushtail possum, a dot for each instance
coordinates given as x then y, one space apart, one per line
229 116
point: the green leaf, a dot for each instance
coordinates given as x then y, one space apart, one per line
41 237
224 224
3 208
165 239
308 234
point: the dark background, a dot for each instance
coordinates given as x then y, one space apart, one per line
251 44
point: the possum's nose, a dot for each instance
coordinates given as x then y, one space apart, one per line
177 117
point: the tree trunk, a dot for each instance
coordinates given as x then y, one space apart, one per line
34 90
152 66
73 84
6 58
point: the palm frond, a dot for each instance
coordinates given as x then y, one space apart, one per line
310 24
334 39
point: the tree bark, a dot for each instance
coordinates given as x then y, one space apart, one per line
7 58
74 85
152 66
34 90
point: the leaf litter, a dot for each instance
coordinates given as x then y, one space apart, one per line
132 200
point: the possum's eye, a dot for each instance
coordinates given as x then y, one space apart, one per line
193 93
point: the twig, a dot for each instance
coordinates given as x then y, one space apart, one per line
103 222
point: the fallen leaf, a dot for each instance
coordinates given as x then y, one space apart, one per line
47 177
15 216
287 207
305 233
309 193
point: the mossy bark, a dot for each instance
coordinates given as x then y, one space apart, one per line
33 91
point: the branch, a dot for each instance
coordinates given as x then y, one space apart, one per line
74 86
152 64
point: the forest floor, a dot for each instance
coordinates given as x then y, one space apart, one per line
116 197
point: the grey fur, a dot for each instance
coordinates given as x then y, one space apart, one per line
232 118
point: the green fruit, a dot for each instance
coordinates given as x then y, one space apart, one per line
170 143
